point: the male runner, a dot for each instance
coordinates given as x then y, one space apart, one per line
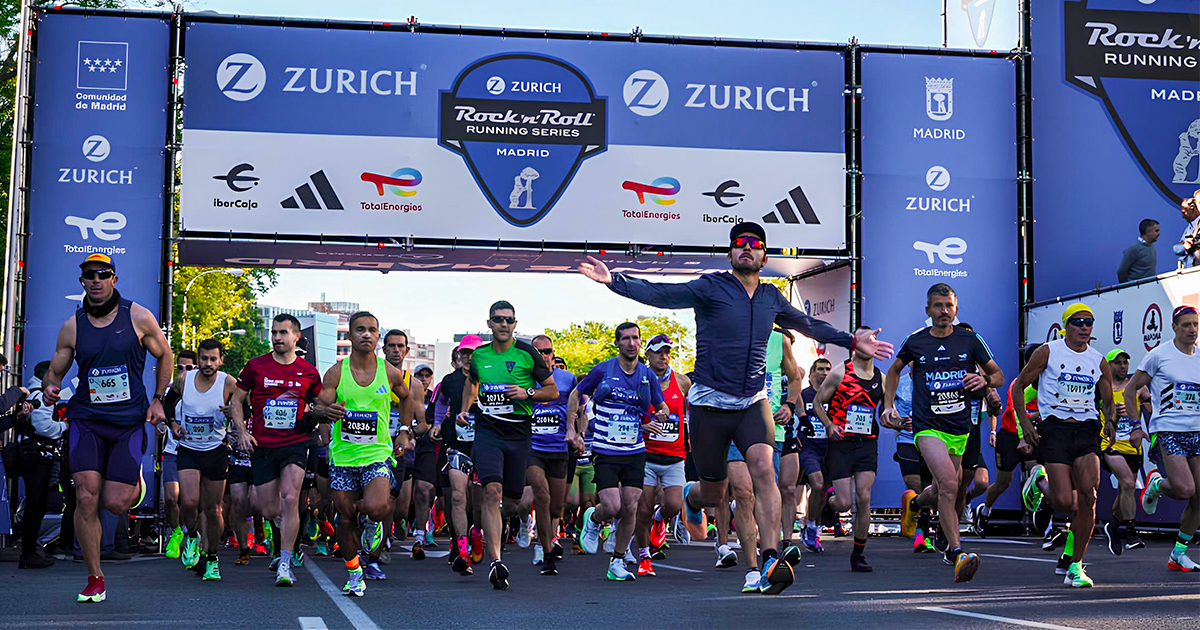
665 453
734 319
1172 370
402 414
184 361
356 395
425 478
1070 375
944 361
108 337
852 394
1011 451
547 471
200 425
813 440
458 438
1123 455
280 387
623 391
506 377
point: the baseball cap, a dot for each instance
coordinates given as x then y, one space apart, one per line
100 259
1114 353
1073 310
422 367
470 342
658 342
748 227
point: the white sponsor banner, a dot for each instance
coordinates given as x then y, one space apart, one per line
825 296
1135 319
276 183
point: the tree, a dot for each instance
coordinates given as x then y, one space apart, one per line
584 345
221 302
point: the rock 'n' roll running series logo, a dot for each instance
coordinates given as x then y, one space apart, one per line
1142 61
523 123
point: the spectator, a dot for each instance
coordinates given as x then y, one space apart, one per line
1140 259
39 448
1188 247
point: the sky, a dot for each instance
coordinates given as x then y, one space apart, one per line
436 305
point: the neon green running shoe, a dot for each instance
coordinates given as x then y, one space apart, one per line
1031 494
1077 578
268 540
190 554
212 571
174 542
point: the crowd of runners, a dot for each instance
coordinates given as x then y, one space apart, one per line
631 456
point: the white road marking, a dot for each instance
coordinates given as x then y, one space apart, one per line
353 613
745 595
1016 622
1002 541
659 565
923 591
312 623
997 555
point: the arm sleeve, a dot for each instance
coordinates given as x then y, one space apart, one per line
663 295
441 407
9 398
588 385
540 371
791 317
1123 268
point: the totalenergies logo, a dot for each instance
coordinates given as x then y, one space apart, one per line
658 190
401 182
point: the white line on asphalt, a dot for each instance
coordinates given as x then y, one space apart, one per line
1017 622
659 565
997 555
1003 541
924 591
357 617
312 623
745 595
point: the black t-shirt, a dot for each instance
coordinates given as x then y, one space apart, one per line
939 365
452 388
810 424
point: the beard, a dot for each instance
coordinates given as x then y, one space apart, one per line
746 266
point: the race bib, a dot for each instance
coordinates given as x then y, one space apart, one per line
1124 428
545 422
670 430
1076 390
198 429
858 419
109 385
467 433
946 396
819 432
360 427
280 413
493 401
394 425
624 429
1187 396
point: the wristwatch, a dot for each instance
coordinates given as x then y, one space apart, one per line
160 397
530 392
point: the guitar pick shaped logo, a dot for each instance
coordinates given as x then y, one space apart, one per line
523 124
1141 64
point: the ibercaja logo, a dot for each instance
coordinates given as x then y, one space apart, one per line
523 123
1140 60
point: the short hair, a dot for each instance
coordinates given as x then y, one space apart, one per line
502 305
392 333
3 360
361 314
542 336
212 344
1145 226
287 318
454 355
941 289
820 360
187 354
965 326
39 370
622 328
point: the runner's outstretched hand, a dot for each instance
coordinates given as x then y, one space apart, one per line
881 350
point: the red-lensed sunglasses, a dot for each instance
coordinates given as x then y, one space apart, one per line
749 241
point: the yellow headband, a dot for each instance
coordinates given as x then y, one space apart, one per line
1073 310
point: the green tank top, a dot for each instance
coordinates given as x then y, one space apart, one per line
361 437
775 377
493 371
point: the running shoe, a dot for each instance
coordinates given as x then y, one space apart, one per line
791 555
965 566
310 529
461 560
243 558
658 553
539 556
1132 540
858 564
174 542
694 516
94 593
198 568
1053 539
274 566
812 538
1064 565
461 566
1043 519
618 572
1180 562
498 576
776 575
372 571
1077 578
190 552
212 571
711 534
939 540
921 544
682 535
268 538
629 558
476 545
979 521
372 534
1031 494
549 567
752 583
298 558
726 557
429 541
523 532
589 538
355 586
658 533
260 550
418 550
908 521
1150 493
322 548
556 551
1112 532
645 567
285 577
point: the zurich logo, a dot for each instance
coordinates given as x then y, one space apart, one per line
523 146
241 76
646 93
1135 59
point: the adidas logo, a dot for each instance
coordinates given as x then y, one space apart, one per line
799 203
306 197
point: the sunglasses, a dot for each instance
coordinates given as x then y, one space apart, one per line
186 368
1080 322
547 351
501 319
103 274
749 241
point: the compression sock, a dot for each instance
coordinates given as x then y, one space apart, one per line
1181 543
1069 548
859 544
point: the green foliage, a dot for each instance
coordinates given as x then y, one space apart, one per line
219 302
584 345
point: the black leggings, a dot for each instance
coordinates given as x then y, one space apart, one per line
712 429
37 490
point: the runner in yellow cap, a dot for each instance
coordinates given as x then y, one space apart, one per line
1123 454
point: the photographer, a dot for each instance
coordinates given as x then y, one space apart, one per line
12 402
38 448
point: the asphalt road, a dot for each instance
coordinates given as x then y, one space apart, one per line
1015 587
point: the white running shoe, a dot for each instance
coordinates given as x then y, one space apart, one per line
753 577
618 572
539 556
589 538
726 557
523 532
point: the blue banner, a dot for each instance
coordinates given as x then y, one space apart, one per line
1116 126
939 204
97 168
